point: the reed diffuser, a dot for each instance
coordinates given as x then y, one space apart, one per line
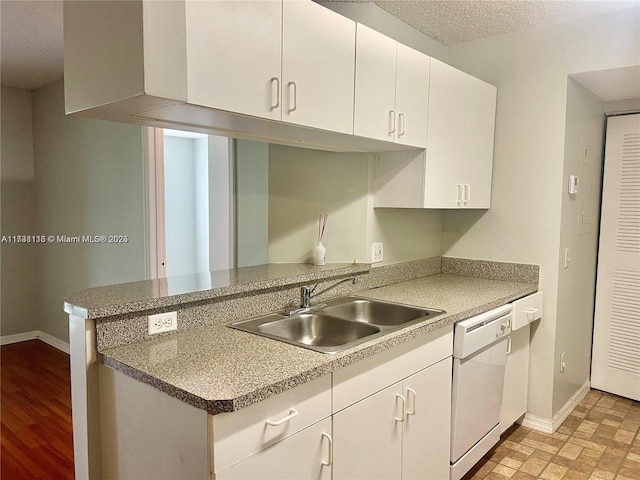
320 252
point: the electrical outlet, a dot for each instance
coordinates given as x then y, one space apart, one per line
563 363
376 252
163 322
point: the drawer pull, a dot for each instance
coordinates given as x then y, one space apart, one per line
329 461
531 312
292 414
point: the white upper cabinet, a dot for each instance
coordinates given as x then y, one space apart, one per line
459 139
392 90
290 61
455 170
233 52
318 61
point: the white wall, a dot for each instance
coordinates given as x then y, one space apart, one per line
220 208
530 70
180 205
18 260
252 203
201 201
584 141
305 183
88 181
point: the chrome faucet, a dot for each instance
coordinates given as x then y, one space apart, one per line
307 292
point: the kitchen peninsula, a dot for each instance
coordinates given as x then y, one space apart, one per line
117 369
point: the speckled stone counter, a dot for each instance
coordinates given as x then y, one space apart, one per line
220 369
160 293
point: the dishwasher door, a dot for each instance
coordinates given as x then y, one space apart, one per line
478 381
479 361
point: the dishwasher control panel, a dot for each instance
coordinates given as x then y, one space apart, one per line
480 331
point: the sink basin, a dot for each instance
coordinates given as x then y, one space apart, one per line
376 312
337 325
313 330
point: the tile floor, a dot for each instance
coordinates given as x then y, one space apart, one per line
599 440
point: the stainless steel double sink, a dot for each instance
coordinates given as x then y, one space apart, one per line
338 324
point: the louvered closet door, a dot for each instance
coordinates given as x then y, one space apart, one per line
615 365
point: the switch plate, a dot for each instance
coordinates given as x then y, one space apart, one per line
563 363
566 258
163 322
376 252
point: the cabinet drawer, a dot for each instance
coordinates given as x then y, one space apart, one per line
526 310
306 454
366 377
237 435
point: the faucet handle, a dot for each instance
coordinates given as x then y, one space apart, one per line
305 296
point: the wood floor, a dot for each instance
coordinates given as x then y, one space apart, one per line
35 405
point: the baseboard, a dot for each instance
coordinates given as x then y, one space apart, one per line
54 341
537 423
551 425
573 402
35 335
18 337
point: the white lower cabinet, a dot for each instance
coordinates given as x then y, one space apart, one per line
304 455
425 448
368 438
516 375
516 378
399 432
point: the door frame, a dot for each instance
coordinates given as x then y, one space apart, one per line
156 250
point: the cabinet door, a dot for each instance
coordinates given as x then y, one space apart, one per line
318 65
478 146
445 136
374 111
233 51
299 456
368 438
412 96
516 378
425 449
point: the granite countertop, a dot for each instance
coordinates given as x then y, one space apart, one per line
131 297
220 369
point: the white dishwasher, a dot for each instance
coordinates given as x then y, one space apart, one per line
479 359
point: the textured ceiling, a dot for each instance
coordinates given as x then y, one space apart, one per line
31 43
615 84
457 21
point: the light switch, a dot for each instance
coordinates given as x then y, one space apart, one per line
573 184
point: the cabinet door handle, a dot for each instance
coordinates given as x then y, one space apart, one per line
467 193
392 122
292 414
293 96
329 461
508 344
404 409
275 93
402 121
460 198
414 398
